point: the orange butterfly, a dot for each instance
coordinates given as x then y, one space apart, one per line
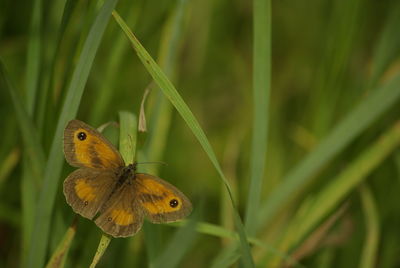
104 185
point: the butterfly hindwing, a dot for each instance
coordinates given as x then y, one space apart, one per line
86 190
121 216
160 201
86 147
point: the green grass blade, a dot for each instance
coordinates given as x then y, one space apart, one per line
103 245
34 56
347 130
29 193
169 90
261 92
69 110
370 248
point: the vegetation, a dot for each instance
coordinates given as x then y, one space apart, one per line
279 120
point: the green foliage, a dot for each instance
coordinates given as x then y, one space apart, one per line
295 107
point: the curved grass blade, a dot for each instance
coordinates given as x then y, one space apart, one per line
370 248
60 255
362 116
55 162
169 90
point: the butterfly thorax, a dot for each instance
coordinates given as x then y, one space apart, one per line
126 173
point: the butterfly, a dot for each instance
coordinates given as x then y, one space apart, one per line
113 193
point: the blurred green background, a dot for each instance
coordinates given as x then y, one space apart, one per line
325 134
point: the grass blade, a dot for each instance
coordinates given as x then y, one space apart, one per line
60 255
169 90
69 110
34 56
104 242
370 248
346 131
261 92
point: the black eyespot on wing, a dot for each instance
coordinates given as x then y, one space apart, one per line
81 136
173 203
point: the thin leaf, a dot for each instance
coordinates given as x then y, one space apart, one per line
261 92
34 56
104 242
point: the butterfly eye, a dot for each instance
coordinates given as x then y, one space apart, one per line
81 136
173 203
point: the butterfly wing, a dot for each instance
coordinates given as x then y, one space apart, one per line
121 216
86 190
160 201
86 147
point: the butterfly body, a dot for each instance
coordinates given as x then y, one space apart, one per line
118 196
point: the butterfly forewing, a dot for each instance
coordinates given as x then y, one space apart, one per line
160 201
86 190
86 147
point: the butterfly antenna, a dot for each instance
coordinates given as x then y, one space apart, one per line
153 162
